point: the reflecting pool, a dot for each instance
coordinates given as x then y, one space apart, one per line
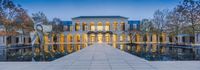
151 52
49 53
161 52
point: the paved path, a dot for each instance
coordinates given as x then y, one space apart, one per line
104 57
101 57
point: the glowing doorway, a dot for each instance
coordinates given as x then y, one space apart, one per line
99 38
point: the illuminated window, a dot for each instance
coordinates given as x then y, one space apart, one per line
100 26
71 28
84 26
107 27
92 27
107 37
84 37
77 38
114 38
122 37
77 27
69 38
115 26
92 38
99 38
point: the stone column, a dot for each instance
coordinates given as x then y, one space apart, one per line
81 26
103 25
111 26
148 37
13 40
103 38
96 38
119 26
88 26
88 38
81 38
111 38
73 26
95 25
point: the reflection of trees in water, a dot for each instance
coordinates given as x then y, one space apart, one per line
162 52
51 52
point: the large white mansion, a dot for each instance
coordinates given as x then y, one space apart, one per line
98 29
95 29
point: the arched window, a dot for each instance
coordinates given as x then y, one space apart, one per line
84 38
115 26
114 37
107 27
84 26
69 38
100 26
77 38
122 38
77 27
122 26
107 37
92 27
92 38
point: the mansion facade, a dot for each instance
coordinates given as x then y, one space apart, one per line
90 29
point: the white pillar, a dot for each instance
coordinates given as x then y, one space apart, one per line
81 26
111 26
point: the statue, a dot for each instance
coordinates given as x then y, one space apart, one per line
38 32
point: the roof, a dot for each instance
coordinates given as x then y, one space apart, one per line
184 35
3 33
100 17
66 23
134 22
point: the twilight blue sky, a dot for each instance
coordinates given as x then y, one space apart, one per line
67 9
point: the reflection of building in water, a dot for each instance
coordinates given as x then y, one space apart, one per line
154 48
138 48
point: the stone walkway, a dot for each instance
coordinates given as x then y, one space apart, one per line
100 57
104 57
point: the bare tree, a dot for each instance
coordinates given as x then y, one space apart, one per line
146 26
159 21
191 10
57 25
24 21
175 22
40 17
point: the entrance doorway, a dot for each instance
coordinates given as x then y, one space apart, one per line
92 38
99 38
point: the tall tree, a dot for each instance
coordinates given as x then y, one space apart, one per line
40 17
24 20
8 12
57 25
175 22
191 10
159 21
146 25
